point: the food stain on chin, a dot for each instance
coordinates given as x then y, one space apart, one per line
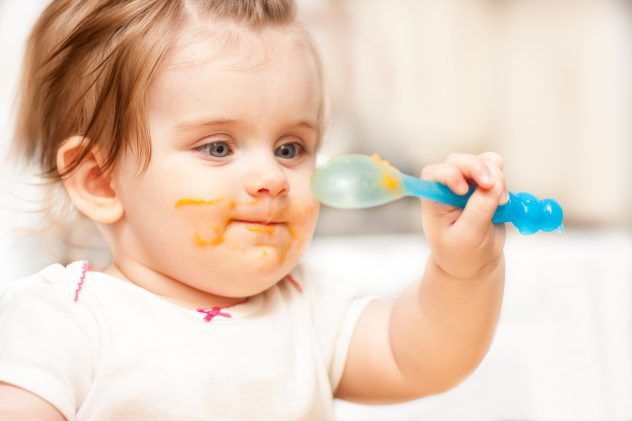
262 253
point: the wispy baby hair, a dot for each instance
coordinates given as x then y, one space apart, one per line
88 66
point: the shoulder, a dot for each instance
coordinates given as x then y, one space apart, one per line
50 342
53 277
333 307
322 288
324 300
44 304
47 295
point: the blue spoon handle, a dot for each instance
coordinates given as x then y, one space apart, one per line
525 211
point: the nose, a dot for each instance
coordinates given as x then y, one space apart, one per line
266 176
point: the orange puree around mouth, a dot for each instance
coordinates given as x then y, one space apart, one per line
292 231
268 229
201 242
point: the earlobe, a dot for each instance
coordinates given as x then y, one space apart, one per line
89 187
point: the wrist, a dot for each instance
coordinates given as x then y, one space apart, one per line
491 269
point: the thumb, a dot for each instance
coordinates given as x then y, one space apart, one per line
479 210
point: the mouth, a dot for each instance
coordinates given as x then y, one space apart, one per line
261 222
261 226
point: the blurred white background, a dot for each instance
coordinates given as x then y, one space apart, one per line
546 83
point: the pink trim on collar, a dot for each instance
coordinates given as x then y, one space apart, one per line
85 265
294 282
215 311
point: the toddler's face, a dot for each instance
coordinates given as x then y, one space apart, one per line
225 205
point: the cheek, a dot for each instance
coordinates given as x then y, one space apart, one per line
179 218
204 220
199 200
303 218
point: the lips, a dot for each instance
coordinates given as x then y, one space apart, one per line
254 225
258 222
261 218
263 228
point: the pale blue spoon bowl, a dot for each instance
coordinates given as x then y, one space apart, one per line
360 181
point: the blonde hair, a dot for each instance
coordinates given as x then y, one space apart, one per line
88 66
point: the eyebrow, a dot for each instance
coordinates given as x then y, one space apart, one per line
211 123
235 123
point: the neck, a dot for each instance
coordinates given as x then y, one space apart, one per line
168 288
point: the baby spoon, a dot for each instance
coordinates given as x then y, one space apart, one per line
360 181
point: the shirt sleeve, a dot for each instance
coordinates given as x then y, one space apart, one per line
48 342
335 309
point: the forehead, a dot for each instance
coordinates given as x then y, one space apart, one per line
228 69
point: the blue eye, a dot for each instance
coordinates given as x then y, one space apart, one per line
218 149
288 150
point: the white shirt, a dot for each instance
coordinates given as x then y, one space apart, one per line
120 352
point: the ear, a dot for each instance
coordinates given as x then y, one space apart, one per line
89 187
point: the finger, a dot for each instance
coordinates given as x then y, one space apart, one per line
499 178
493 158
479 210
472 167
446 174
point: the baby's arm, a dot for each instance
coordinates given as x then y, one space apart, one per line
19 405
437 331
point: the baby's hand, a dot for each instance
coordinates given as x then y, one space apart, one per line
464 242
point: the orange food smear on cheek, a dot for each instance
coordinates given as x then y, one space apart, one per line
216 239
217 235
185 202
201 242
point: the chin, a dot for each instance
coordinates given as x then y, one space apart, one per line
262 267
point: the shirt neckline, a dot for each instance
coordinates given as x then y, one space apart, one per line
238 311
